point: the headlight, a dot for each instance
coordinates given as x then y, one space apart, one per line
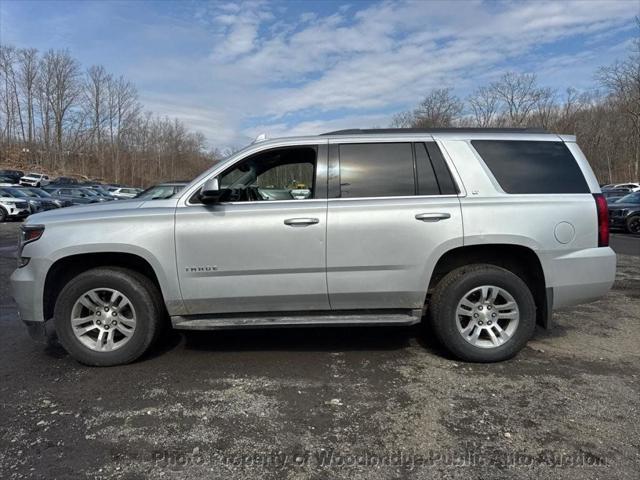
58 203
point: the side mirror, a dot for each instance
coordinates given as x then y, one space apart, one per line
210 191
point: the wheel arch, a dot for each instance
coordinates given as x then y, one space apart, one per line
66 268
519 259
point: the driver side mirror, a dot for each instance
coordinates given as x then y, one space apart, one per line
210 191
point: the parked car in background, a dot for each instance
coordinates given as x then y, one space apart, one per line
13 208
35 180
4 180
625 213
36 204
398 223
74 194
60 202
161 191
101 189
124 193
64 181
13 175
615 194
632 186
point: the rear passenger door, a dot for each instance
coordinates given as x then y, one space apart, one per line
393 209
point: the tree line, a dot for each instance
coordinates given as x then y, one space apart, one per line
62 119
606 120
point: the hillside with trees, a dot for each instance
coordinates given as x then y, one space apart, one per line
61 119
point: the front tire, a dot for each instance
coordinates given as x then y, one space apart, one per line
482 313
3 215
108 316
633 224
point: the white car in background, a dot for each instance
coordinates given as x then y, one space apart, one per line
633 187
13 207
124 193
35 180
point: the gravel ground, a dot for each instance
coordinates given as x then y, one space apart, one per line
366 403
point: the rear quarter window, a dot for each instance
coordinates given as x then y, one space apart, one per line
522 167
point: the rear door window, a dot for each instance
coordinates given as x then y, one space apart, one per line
522 167
434 177
376 170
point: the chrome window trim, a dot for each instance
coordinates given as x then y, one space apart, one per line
254 148
216 170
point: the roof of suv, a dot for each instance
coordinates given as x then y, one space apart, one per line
379 131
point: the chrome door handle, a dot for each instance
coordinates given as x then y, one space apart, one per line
301 221
432 217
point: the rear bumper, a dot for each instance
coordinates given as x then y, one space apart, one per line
579 277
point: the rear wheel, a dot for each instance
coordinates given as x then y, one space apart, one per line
108 316
482 313
633 224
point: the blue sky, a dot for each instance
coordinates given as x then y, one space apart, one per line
235 69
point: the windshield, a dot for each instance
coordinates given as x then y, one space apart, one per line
40 193
631 198
17 193
89 192
157 192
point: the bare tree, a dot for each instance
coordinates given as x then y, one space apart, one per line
622 80
484 106
94 101
27 76
62 74
518 94
438 109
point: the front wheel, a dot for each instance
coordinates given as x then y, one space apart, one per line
3 215
633 224
483 313
108 316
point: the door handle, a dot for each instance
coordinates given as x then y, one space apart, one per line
301 221
432 217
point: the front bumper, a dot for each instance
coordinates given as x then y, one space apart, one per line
27 284
618 221
18 211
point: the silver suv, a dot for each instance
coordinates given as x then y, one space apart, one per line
483 232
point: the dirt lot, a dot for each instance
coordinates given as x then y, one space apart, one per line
335 403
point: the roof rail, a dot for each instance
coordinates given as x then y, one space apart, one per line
374 131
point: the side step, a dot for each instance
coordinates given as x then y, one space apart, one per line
288 319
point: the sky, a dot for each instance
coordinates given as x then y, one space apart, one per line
233 70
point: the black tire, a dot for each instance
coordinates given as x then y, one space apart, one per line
633 224
142 293
452 288
3 215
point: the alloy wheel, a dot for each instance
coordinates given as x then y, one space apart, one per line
487 316
103 319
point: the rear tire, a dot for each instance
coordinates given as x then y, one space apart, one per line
108 316
482 313
633 224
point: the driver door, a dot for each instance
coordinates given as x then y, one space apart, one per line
259 249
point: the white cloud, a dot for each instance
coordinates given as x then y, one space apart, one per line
268 70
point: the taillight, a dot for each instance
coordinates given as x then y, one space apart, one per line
603 219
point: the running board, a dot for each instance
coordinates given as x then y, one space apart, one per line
286 319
